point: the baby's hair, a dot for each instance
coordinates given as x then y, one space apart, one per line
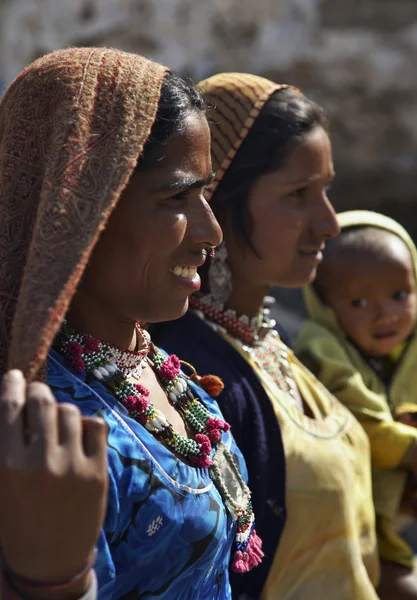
361 239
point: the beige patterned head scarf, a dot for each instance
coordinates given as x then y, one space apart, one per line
72 126
235 100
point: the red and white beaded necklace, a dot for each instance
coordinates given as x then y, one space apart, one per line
257 336
113 366
248 331
102 360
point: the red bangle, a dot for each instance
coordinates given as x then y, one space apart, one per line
8 593
13 578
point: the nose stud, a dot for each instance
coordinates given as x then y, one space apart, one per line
212 252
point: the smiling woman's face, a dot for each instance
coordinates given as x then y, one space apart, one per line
162 222
292 218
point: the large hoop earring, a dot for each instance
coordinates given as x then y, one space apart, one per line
220 276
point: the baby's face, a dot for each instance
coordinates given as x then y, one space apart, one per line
374 298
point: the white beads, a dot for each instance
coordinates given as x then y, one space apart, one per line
158 423
181 385
97 374
161 417
177 390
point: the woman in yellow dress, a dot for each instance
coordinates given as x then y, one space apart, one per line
273 162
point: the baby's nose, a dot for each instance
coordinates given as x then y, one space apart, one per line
387 315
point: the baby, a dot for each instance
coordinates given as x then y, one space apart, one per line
359 341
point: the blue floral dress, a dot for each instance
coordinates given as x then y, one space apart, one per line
167 533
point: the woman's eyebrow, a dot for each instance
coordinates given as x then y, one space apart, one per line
186 183
307 179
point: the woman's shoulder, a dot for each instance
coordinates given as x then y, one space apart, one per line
194 341
130 446
70 387
244 399
92 398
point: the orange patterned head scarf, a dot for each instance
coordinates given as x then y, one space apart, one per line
235 100
72 126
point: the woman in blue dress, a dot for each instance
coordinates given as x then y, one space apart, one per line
103 225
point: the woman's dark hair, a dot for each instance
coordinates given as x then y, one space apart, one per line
286 117
178 96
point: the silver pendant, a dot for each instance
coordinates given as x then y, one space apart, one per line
228 480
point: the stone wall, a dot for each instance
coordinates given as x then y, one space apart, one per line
356 57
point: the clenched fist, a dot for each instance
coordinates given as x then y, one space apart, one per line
53 482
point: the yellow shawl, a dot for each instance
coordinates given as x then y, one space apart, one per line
328 547
324 349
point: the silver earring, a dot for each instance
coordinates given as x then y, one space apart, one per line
220 276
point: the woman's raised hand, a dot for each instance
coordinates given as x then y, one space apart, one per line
53 485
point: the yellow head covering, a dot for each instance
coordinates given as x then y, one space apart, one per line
355 218
324 347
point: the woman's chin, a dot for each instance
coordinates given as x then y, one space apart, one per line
171 312
297 280
311 277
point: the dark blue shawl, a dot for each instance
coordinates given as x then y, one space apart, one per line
246 406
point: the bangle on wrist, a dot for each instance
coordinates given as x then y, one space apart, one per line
92 592
14 579
9 593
